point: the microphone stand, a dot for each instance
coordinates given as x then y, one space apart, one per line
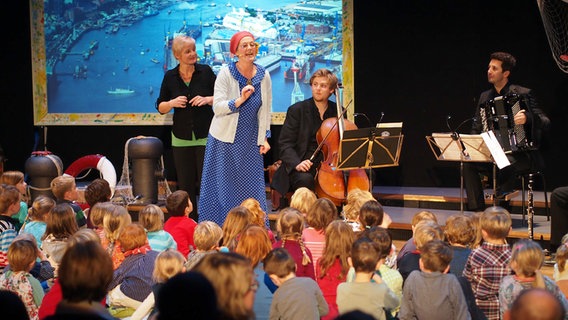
463 155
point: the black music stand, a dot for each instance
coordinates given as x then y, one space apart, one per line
369 148
462 148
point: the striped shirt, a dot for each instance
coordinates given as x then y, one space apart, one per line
485 269
161 240
7 235
134 275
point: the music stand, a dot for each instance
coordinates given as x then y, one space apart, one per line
368 148
462 148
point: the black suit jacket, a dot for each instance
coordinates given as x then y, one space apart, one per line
297 141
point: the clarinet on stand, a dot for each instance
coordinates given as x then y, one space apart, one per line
530 206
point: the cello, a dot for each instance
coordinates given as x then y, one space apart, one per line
330 182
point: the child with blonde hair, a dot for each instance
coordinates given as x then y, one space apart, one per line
320 215
487 265
424 231
113 223
97 214
258 216
168 264
64 189
22 255
207 238
303 199
151 217
61 225
38 214
332 267
238 218
355 199
289 226
527 259
409 245
16 179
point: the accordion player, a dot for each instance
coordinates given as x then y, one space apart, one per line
498 114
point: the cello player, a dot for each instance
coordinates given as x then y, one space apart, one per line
297 141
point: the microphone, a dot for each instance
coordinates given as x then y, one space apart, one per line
364 115
381 118
456 136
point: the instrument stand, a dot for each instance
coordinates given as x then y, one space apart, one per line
370 148
462 148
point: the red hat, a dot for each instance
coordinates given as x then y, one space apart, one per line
236 38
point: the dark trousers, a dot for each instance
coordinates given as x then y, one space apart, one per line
189 165
521 163
558 216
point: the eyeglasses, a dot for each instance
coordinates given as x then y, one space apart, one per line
249 45
254 286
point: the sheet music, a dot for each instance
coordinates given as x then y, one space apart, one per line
496 151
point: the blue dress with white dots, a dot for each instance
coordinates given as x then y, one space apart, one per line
233 172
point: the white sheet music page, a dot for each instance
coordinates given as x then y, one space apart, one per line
495 148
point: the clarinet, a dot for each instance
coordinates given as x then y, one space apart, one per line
530 206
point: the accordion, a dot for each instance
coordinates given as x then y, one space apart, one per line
497 115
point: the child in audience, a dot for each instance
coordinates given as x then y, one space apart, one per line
9 206
487 265
96 217
233 278
371 215
38 214
409 245
16 179
419 301
207 237
97 191
391 277
65 191
561 268
289 226
41 269
61 224
151 218
332 267
296 297
238 218
113 224
180 225
254 244
362 294
168 263
303 199
320 215
527 258
475 217
459 234
258 216
355 199
22 255
132 280
424 231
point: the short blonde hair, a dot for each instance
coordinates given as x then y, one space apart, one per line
257 215
115 221
423 215
425 231
62 184
178 43
40 208
168 263
207 235
527 259
355 200
496 222
302 199
151 217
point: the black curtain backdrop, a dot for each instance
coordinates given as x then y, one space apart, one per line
416 61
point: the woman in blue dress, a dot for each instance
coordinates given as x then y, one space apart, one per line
234 167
